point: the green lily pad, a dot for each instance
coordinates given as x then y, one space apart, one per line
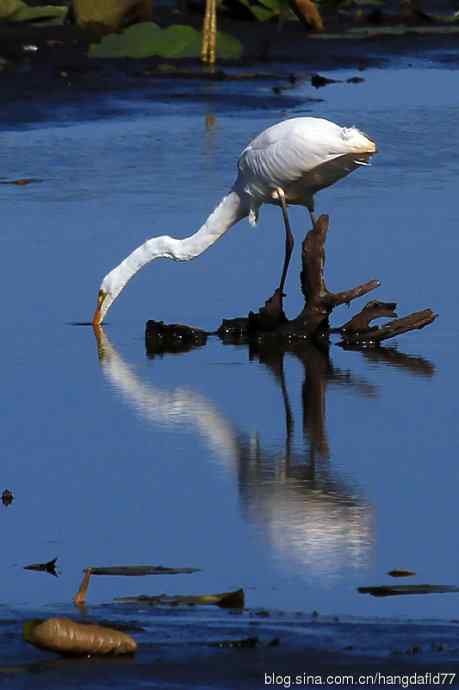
149 40
137 41
19 11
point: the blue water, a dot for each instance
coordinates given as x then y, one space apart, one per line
183 460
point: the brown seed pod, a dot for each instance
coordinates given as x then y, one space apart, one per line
66 637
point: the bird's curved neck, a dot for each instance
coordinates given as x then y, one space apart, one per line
230 210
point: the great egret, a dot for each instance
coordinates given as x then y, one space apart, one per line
286 164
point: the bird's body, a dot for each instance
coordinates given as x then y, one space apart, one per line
286 164
301 156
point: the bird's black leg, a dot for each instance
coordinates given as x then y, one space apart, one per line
289 241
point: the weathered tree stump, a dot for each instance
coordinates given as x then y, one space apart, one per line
270 322
313 321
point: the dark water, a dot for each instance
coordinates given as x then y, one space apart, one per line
298 477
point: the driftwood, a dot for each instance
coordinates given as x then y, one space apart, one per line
399 590
228 600
313 321
126 571
270 322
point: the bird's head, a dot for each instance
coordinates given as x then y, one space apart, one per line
104 302
358 141
109 290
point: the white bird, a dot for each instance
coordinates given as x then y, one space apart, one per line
286 164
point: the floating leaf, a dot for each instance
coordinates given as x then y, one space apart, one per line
179 41
148 39
228 47
18 11
64 636
137 41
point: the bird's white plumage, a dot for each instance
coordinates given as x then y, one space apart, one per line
299 156
290 153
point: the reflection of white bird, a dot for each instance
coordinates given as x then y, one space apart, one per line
287 163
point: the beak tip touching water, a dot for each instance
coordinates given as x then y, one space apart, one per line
96 319
100 311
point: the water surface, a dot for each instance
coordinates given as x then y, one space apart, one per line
297 476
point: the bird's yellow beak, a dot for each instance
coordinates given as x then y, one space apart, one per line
97 318
373 147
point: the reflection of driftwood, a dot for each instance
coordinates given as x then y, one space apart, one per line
228 600
417 366
312 322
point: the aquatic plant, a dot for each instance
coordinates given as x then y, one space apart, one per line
147 39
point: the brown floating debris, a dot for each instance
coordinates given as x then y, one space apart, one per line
401 573
7 497
230 600
318 81
126 571
49 567
66 637
22 182
80 597
397 590
140 570
246 643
